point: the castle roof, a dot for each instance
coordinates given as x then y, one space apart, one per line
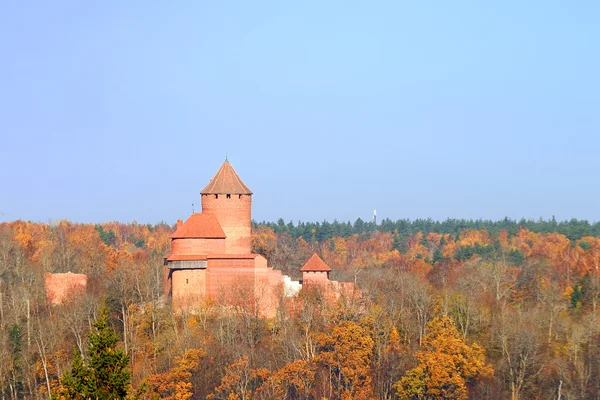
226 181
315 264
200 226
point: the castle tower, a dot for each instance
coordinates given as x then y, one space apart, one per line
229 199
315 271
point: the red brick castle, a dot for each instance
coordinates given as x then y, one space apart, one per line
211 257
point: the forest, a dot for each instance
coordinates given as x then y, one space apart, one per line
450 309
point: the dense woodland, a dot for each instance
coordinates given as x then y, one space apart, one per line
455 309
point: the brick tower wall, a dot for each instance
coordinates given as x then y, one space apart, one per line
234 216
198 246
188 288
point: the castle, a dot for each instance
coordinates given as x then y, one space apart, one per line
211 257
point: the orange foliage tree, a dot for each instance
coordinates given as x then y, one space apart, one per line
347 352
445 365
175 384
240 381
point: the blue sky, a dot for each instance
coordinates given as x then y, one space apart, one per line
123 110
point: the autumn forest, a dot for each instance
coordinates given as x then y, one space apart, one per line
452 309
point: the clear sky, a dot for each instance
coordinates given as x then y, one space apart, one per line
123 110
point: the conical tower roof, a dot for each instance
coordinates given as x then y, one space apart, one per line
315 264
226 181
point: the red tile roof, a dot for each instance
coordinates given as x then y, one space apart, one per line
315 264
226 181
186 257
200 226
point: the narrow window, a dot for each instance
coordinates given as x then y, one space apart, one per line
216 196
240 196
186 281
228 196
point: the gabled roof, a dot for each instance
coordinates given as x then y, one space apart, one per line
226 181
315 264
200 226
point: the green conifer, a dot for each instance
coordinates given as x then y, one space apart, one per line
105 375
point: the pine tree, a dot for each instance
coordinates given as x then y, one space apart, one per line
105 375
399 244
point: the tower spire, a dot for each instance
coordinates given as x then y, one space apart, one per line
226 181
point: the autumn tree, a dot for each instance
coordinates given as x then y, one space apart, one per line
346 353
240 381
518 337
446 364
295 380
176 383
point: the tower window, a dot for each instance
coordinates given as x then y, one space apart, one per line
186 281
239 196
228 196
216 196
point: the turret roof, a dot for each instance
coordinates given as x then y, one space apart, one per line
315 264
226 181
199 225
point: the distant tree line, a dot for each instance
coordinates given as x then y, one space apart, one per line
573 229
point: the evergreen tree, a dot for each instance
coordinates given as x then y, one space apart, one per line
324 232
359 226
281 227
424 240
105 375
396 243
399 244
437 256
331 245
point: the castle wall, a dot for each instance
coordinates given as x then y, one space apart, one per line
268 287
62 287
231 281
245 282
197 246
234 216
188 288
345 289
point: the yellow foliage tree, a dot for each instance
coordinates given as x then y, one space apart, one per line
294 380
446 365
175 384
347 352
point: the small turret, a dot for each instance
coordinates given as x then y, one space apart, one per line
315 271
